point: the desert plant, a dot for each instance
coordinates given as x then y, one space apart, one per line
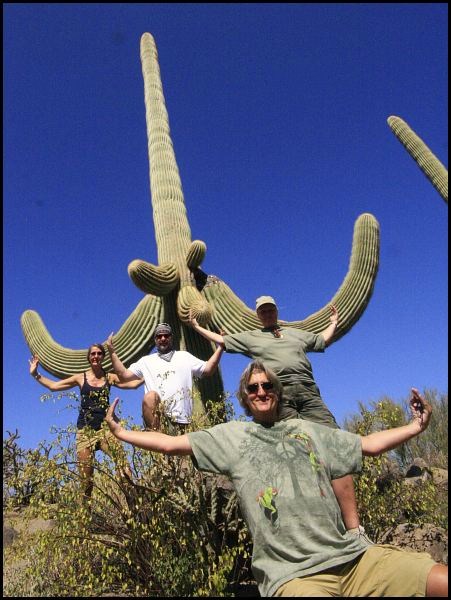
172 531
383 496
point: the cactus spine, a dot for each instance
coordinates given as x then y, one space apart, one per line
177 284
422 155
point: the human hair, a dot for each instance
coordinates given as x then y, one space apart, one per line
101 347
256 366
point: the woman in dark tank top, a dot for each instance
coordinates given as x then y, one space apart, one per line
92 432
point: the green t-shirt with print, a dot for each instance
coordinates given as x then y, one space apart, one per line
282 475
285 355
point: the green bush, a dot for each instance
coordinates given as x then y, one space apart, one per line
384 497
172 531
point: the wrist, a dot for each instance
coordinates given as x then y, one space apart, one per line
36 375
334 322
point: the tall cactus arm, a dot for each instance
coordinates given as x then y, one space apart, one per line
434 170
232 315
132 341
172 231
150 279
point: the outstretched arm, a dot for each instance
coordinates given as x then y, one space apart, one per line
212 363
127 385
54 386
206 333
124 375
148 440
328 333
382 441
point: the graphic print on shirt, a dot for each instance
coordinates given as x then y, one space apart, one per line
266 499
288 468
168 401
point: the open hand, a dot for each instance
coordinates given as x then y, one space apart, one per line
109 343
421 409
334 313
192 319
34 363
111 418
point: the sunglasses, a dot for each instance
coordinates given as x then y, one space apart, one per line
96 354
252 388
163 335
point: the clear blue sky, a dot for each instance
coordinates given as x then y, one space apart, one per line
278 119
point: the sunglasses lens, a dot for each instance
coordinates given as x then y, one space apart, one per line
252 388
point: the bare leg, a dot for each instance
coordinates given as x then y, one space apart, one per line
437 582
344 491
151 416
86 471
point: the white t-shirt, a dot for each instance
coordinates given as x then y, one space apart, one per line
173 381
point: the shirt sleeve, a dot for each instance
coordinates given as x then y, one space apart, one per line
237 343
315 342
197 365
343 449
211 450
136 369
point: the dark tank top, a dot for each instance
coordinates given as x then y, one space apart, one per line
94 404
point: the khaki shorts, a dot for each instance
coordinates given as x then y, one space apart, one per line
102 439
304 400
382 571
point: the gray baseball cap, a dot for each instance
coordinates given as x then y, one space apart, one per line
264 300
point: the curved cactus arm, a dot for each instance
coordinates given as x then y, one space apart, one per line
434 170
132 341
231 315
150 279
196 254
190 299
357 288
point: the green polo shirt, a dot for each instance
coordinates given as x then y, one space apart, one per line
286 356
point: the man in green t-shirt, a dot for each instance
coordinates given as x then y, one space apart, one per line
281 471
284 350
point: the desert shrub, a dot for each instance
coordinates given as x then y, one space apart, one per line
172 531
384 497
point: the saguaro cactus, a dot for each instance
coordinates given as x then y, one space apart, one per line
177 284
422 155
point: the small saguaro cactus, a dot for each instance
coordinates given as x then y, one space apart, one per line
177 284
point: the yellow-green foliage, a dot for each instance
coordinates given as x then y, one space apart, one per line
173 531
384 497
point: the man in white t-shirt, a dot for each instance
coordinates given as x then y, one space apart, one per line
168 377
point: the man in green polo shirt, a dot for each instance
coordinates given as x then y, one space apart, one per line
284 350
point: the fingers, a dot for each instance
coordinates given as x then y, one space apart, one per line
421 408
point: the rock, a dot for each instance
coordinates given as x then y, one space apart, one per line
9 535
422 538
440 476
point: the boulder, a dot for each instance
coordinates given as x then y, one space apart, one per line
421 538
